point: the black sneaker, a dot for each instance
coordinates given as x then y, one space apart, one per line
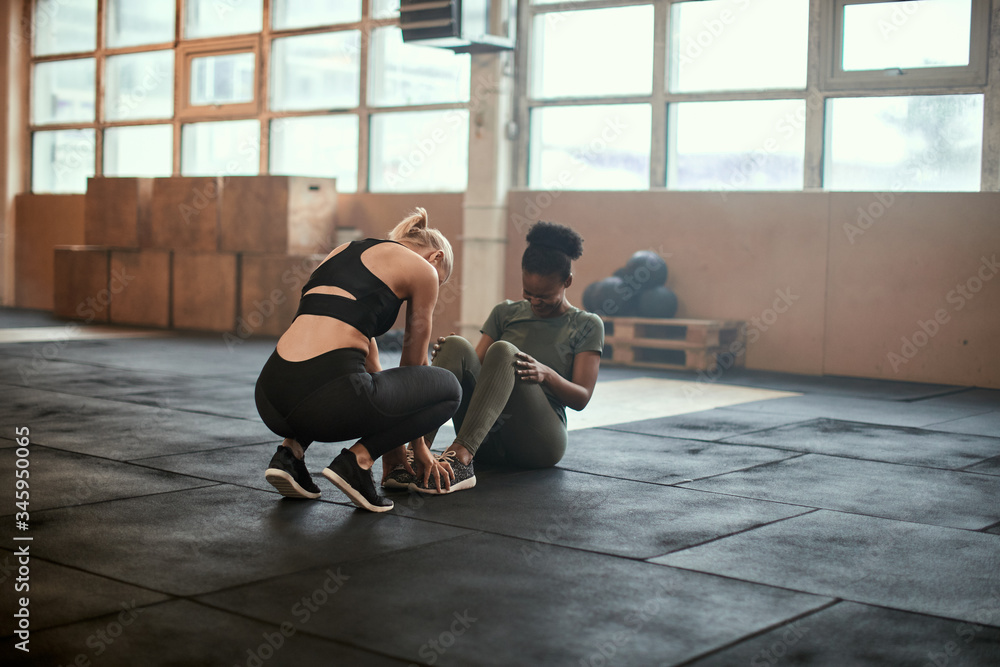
289 475
358 484
465 476
399 478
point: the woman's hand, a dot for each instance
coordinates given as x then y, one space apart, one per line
429 467
531 370
394 458
438 344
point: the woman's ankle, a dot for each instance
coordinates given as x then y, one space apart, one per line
295 448
463 454
365 461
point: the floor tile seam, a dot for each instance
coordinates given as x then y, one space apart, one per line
685 481
362 558
611 427
199 451
142 405
117 612
123 582
838 511
832 455
988 528
758 633
950 392
895 424
596 552
134 462
939 617
114 500
809 510
105 366
302 631
838 597
796 455
948 421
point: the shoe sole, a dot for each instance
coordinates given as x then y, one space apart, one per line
351 493
460 486
287 486
393 484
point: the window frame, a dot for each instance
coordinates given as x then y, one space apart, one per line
835 77
818 91
184 114
184 56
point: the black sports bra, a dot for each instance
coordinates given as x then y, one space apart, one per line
373 309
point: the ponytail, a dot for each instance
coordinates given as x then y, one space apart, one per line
414 229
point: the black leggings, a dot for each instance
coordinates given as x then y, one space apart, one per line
331 398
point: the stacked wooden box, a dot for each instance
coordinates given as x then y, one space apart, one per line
674 344
225 254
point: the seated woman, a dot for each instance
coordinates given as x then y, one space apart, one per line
324 382
535 358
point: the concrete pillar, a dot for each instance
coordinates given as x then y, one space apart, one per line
484 226
14 36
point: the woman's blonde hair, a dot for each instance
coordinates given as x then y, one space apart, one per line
414 229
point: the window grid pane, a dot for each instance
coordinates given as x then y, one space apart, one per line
141 150
227 79
139 85
600 147
63 91
325 146
404 74
289 14
915 143
131 23
227 148
743 145
596 52
64 26
734 45
62 161
316 71
216 18
928 33
419 151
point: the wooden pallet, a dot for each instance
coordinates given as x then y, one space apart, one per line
673 344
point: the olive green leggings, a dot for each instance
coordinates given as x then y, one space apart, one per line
501 418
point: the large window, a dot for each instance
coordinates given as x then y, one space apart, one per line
240 88
738 95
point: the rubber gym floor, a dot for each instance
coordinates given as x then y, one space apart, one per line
753 519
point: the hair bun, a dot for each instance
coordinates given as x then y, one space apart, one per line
419 216
560 237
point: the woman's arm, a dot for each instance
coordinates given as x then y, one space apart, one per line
574 394
483 345
419 315
372 363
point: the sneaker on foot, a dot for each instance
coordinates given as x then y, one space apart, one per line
289 475
398 478
357 483
465 476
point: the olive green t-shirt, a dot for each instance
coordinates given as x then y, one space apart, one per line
553 341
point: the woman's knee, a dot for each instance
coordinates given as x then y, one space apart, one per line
448 388
502 351
451 352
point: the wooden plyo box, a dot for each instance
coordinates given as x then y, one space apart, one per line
82 283
185 213
277 214
117 212
204 290
270 286
144 297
